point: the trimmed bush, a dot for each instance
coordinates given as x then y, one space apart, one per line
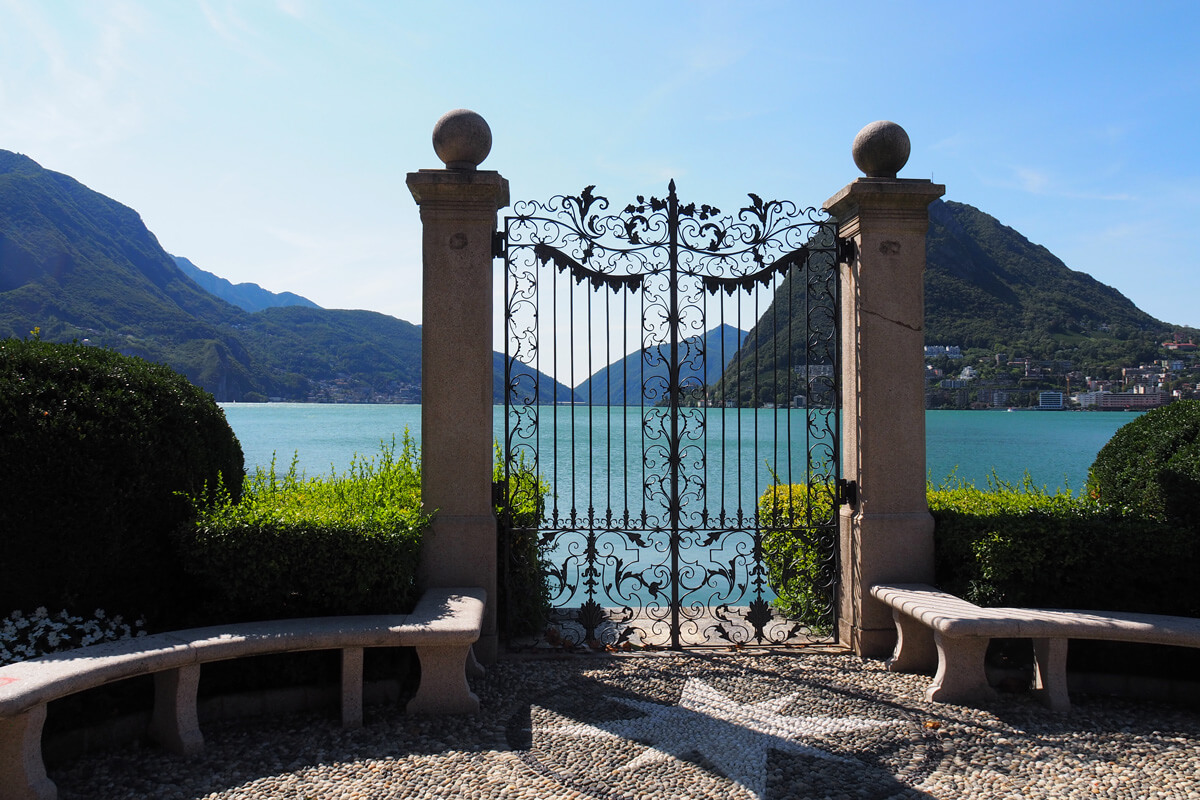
798 551
98 452
297 546
1151 467
524 586
1020 546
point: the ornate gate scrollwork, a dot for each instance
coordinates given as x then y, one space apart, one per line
671 423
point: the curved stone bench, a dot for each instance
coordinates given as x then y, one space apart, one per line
442 628
939 631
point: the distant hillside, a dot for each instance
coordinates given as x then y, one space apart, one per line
988 287
643 375
246 296
78 265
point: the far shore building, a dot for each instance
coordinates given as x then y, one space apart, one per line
1141 399
1050 401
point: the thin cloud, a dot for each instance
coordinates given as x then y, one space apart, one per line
1032 180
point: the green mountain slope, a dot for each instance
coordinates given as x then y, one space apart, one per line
988 286
990 289
78 265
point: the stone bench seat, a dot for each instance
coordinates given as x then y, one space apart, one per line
442 628
938 632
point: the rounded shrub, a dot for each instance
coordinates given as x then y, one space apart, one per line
797 523
99 453
1151 467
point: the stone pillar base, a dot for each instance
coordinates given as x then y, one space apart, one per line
879 548
467 548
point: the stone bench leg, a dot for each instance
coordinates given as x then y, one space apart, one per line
915 649
1050 673
22 772
352 687
443 688
961 673
174 723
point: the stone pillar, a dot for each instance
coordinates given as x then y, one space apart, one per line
888 535
458 216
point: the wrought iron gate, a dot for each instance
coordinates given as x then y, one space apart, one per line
670 452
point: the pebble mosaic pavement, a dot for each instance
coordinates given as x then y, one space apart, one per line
657 726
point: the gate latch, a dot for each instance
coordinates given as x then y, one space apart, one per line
847 492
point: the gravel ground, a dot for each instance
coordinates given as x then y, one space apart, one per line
773 725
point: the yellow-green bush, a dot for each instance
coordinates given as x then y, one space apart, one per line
799 534
524 590
297 546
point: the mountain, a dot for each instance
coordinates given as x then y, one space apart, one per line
990 289
643 374
987 285
525 377
246 296
77 265
80 266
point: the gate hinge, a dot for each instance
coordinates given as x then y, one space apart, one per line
499 244
499 494
847 492
845 250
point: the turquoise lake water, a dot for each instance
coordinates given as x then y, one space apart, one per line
583 467
1055 448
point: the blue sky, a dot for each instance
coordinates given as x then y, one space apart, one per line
268 140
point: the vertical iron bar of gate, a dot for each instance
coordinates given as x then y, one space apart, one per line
673 390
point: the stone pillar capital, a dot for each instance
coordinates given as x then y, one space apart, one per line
895 202
476 192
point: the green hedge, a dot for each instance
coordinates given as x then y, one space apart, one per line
1151 467
1021 546
798 547
297 546
97 453
524 586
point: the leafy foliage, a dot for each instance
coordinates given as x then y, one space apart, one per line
798 549
525 591
1151 467
294 546
97 452
1021 546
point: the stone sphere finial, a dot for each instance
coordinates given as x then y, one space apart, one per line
462 139
881 149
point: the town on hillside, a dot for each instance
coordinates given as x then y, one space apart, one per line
975 379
